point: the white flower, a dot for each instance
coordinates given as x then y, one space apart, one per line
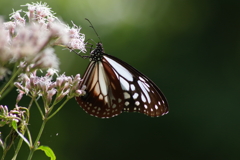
46 59
17 18
39 12
51 72
59 30
76 38
29 41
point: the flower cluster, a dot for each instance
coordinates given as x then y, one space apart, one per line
6 117
31 41
44 86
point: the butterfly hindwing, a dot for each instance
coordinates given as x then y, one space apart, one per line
102 98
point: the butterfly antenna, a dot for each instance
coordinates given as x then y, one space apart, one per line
93 29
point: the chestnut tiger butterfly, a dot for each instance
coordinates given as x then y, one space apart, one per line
113 87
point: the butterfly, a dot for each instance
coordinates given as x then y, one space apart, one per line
113 87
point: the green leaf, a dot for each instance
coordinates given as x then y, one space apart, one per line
14 124
48 151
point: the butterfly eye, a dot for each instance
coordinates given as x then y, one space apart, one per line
113 87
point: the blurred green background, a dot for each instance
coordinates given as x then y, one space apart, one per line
189 48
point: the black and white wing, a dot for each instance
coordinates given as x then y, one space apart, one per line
113 86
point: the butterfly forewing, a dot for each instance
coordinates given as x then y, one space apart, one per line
140 93
113 86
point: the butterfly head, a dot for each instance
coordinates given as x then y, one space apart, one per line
97 53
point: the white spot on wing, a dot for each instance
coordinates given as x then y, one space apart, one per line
144 84
144 90
142 79
126 95
124 84
147 85
145 106
137 103
132 87
94 77
102 79
135 95
106 99
143 98
100 97
96 89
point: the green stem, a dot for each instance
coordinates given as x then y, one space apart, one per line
18 148
35 146
4 153
30 137
39 108
59 108
7 90
9 83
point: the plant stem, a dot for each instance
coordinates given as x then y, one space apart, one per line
59 108
35 146
18 148
39 108
9 83
4 154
